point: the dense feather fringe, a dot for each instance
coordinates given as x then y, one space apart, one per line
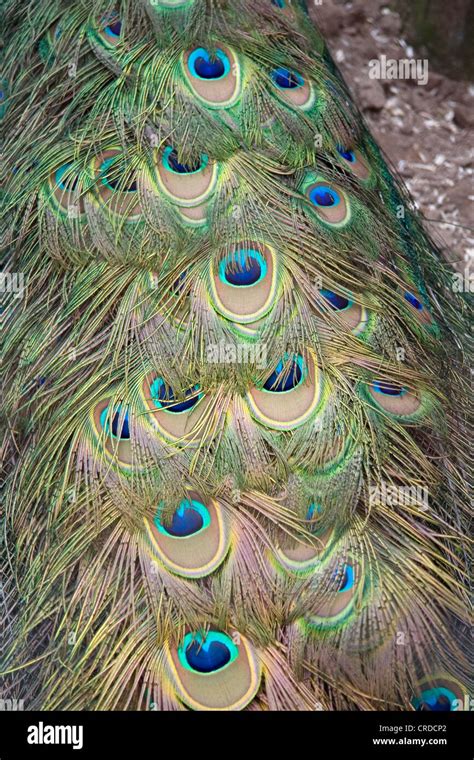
121 288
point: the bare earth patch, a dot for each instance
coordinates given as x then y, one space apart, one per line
426 131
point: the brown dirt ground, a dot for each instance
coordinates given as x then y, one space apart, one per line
426 131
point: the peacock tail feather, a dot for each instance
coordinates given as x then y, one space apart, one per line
235 386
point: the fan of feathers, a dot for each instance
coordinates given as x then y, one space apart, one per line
235 385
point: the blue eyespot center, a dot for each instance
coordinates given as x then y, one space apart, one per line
348 155
279 3
170 161
112 177
207 655
286 378
413 301
64 179
286 79
119 427
208 69
313 515
346 582
335 300
243 268
324 196
178 284
114 29
388 389
191 517
439 699
312 509
112 24
164 398
204 65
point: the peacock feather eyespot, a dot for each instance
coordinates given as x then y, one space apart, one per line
347 580
245 267
347 155
115 178
177 417
164 398
211 672
116 424
354 160
48 44
205 65
108 30
113 28
116 186
290 394
336 301
214 75
64 191
388 389
434 700
329 203
418 307
112 431
313 512
394 398
64 179
413 300
179 284
343 591
171 162
186 185
190 518
324 196
192 541
286 377
207 654
301 557
291 87
285 6
285 79
249 268
345 310
439 694
312 520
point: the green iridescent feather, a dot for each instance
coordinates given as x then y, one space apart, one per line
235 416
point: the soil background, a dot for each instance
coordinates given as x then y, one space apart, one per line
427 132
